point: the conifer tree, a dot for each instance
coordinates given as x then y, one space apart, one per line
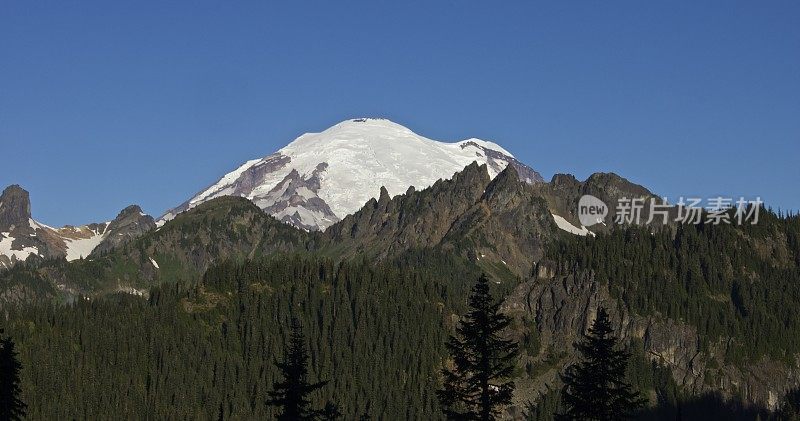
291 395
11 405
478 385
595 387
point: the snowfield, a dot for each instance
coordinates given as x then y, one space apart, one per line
357 157
81 248
566 226
6 250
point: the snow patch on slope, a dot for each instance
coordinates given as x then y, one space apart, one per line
566 226
5 248
82 247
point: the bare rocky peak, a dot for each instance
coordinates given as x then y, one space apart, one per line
15 208
130 224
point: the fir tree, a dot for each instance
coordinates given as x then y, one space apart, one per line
291 394
478 386
11 406
595 387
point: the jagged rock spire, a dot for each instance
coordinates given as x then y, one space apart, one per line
15 207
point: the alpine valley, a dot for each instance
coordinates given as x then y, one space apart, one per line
372 236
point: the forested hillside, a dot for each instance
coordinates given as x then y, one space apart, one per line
196 351
727 281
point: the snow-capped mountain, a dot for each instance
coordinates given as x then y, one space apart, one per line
320 178
21 236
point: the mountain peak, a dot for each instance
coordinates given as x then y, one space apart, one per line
129 224
131 210
507 180
370 121
15 207
319 178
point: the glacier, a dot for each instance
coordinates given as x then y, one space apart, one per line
319 178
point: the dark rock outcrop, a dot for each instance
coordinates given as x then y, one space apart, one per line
508 225
30 239
130 224
411 220
15 208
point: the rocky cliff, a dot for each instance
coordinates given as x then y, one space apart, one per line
562 306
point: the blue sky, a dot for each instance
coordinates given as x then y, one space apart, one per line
104 104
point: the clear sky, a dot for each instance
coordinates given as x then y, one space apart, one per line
104 104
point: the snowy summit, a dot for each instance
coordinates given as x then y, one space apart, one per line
320 178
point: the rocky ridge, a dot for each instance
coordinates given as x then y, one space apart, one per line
21 237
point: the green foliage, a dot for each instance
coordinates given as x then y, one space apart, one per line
478 385
21 284
737 282
207 349
11 405
595 388
291 394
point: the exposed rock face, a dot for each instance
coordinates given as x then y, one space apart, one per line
20 236
508 224
130 224
15 208
497 223
564 306
295 201
414 219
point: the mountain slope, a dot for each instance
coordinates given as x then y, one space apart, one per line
320 178
507 226
500 223
669 284
415 219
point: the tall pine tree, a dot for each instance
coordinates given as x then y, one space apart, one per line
595 387
291 395
478 386
11 406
